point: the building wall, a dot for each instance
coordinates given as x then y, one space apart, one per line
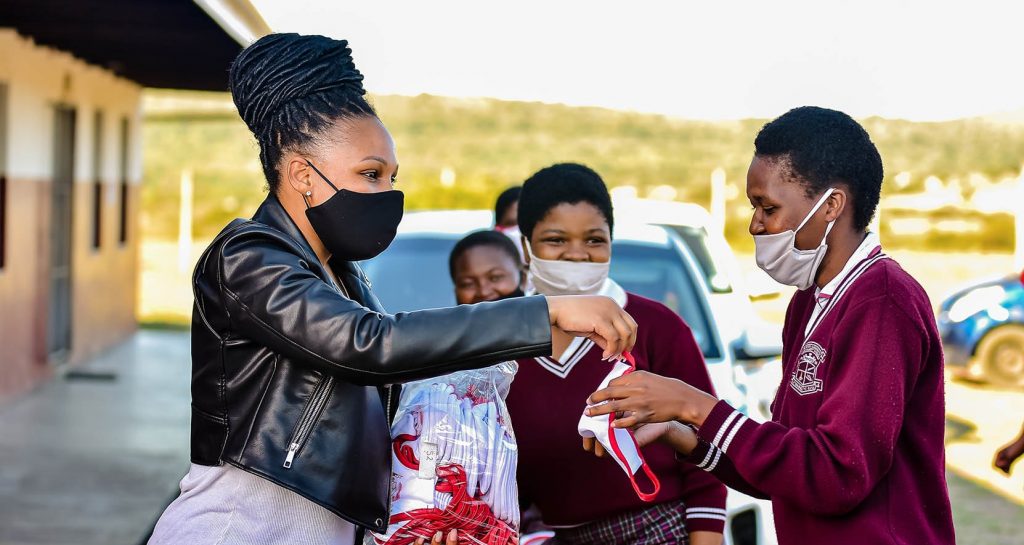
103 279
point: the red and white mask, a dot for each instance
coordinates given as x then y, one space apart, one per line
619 442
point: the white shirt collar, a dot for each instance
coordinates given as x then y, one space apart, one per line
868 246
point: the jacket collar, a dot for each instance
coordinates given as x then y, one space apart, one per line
272 214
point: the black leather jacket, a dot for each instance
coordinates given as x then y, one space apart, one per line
290 371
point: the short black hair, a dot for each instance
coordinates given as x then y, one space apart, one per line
822 147
289 88
493 239
506 200
564 183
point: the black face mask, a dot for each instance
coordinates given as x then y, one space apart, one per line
356 226
517 293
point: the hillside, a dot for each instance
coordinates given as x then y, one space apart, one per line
491 144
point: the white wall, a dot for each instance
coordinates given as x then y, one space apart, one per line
40 78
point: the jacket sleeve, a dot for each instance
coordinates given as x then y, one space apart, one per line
677 355
830 468
712 460
273 297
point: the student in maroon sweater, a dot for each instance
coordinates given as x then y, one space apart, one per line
854 452
565 215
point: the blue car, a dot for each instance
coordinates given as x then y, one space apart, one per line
982 330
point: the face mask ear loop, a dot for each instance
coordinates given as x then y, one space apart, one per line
529 250
810 214
828 229
321 174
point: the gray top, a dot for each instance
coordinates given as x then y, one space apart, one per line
224 505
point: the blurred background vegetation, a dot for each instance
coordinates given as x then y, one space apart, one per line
460 153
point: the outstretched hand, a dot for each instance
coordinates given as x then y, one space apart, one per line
597 318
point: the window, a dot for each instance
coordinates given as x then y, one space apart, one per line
122 231
97 180
3 175
660 273
696 239
3 221
97 215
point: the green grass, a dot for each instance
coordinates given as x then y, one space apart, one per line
981 517
166 322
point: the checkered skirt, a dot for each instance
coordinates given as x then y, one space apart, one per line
661 524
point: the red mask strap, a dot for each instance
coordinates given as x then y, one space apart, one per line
645 496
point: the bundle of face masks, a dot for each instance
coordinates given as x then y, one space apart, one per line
454 460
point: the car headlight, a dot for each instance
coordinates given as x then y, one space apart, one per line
976 301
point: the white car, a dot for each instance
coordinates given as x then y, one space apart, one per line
648 260
754 342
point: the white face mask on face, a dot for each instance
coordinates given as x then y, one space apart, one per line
566 277
778 255
511 232
514 234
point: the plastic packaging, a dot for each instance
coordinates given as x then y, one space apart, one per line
454 460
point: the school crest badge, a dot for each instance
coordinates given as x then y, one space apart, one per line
805 379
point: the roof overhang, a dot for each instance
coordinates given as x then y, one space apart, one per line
175 44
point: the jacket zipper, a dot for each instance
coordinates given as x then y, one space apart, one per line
387 413
317 401
387 416
364 278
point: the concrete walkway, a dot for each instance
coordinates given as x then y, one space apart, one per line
95 459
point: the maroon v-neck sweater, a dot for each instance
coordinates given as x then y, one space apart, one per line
854 452
571 486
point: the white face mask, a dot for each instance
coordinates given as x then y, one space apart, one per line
619 442
516 236
511 232
566 277
778 255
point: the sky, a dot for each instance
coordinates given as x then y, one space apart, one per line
919 60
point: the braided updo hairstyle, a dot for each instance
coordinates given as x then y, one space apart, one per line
289 88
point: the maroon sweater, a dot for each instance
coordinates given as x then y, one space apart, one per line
570 486
854 452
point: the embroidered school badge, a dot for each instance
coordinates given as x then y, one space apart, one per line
805 379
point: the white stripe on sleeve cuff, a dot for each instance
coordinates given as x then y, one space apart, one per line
711 516
705 510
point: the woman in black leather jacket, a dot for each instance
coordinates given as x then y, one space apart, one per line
294 360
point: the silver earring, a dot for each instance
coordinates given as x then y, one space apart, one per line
309 193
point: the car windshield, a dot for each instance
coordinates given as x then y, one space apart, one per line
696 239
413 275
